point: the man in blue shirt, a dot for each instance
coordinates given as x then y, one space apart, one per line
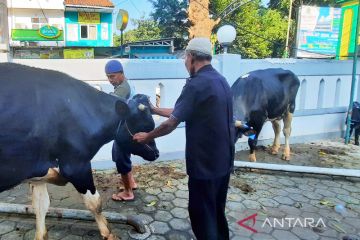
205 105
115 73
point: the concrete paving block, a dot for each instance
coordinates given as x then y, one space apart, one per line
180 212
7 226
158 227
163 216
282 235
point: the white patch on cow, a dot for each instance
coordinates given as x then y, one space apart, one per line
93 203
53 176
40 203
245 76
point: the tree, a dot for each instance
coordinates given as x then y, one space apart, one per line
171 16
283 5
260 31
147 29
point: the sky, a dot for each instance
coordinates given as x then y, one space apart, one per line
135 8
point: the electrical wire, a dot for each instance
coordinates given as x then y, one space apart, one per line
132 3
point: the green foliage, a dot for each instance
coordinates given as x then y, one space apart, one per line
261 32
283 6
146 29
171 16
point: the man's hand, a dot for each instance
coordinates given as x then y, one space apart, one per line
152 107
142 137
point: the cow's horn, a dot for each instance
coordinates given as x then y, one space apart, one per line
141 107
238 123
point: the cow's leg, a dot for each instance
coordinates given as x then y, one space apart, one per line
252 144
276 144
93 203
287 131
257 121
40 203
80 175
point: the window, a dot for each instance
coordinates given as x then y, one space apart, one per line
88 32
37 22
84 31
72 32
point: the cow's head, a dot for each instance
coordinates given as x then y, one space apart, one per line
136 117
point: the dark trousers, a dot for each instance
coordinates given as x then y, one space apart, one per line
207 199
122 159
355 126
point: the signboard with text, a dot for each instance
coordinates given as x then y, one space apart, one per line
89 18
318 32
81 53
34 35
49 32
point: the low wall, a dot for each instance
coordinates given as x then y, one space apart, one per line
320 105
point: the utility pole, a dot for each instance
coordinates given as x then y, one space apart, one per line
352 91
286 53
4 33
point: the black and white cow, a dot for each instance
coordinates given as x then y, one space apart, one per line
51 126
263 95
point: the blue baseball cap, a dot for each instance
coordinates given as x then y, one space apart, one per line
113 66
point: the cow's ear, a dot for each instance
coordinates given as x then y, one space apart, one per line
122 108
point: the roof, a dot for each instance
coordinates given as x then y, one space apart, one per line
88 3
154 56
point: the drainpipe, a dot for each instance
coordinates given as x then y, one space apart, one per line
352 92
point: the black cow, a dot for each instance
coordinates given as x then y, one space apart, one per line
52 125
263 95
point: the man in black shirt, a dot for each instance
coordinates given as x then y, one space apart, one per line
205 105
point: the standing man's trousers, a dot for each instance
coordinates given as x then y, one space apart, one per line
207 199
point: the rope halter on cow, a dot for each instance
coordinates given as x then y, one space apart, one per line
141 107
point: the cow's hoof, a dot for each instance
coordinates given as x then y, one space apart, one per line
285 157
111 237
44 236
275 150
252 158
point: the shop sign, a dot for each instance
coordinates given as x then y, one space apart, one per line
34 35
49 32
80 53
89 18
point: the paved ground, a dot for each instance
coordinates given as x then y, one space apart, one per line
282 202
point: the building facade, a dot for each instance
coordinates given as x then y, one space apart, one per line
58 28
88 25
36 28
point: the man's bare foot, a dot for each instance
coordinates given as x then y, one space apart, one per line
123 196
